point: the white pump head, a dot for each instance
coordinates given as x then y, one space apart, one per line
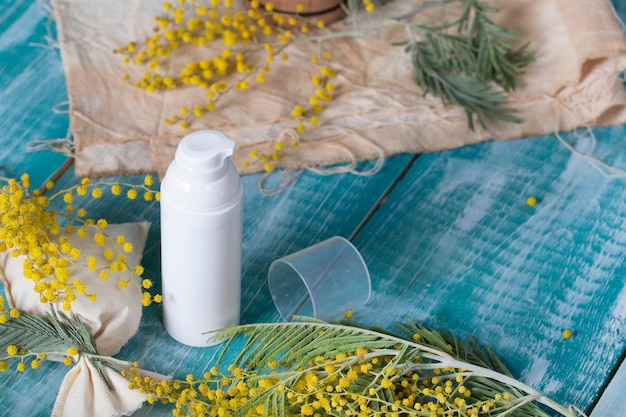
201 155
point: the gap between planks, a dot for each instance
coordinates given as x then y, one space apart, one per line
611 378
56 175
383 197
616 368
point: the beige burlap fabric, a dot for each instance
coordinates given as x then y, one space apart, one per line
579 46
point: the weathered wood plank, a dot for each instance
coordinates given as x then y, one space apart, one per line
611 404
456 246
32 83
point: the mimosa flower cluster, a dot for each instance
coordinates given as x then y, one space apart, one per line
305 369
318 369
30 228
253 42
358 383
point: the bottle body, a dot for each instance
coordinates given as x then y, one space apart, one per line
201 233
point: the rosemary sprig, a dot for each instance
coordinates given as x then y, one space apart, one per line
461 61
52 333
25 335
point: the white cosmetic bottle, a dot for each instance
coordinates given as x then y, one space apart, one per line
201 232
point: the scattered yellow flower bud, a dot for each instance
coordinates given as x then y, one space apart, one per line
132 193
297 111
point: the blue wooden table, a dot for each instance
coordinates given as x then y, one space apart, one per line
448 238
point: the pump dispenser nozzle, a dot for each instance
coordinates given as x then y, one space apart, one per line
200 155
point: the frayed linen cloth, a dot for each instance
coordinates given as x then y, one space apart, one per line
377 111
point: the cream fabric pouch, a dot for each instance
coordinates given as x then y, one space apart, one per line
112 319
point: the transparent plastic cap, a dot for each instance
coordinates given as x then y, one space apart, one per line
201 156
323 281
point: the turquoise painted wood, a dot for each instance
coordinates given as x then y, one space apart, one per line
31 85
458 242
612 400
453 245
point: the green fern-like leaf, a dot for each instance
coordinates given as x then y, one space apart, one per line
291 351
52 334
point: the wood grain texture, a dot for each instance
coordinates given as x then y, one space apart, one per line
456 247
611 404
611 401
32 83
